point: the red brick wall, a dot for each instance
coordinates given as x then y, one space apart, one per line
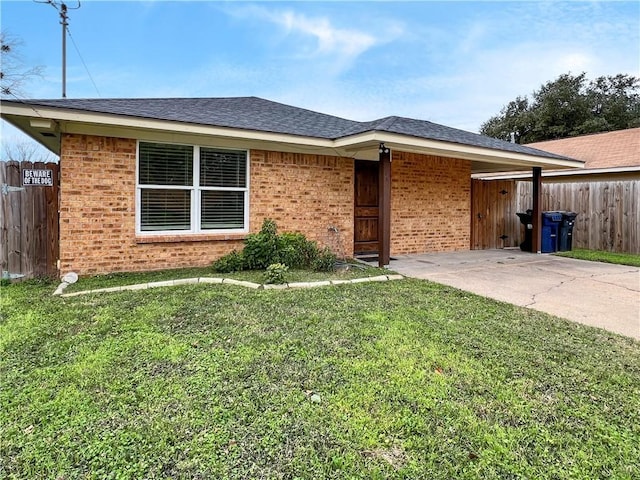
306 193
97 192
430 204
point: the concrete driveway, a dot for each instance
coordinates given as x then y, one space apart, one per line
597 294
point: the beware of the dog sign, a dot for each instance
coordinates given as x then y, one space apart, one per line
37 178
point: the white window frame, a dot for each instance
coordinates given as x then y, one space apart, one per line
195 196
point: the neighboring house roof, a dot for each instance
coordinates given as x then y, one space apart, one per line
608 153
252 114
601 150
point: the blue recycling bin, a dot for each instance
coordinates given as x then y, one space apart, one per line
550 227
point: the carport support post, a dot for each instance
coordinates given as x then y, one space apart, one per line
384 209
536 238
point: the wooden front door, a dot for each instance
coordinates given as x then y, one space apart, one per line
365 232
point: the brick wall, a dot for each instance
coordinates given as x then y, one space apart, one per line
430 204
306 193
97 192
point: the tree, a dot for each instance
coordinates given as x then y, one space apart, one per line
515 121
615 101
25 150
13 73
13 76
569 106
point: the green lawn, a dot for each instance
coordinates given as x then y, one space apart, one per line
349 271
600 256
404 379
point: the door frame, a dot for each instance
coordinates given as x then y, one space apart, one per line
366 212
384 205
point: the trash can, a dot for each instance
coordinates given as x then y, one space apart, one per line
565 239
550 227
527 220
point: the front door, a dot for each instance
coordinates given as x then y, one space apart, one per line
365 232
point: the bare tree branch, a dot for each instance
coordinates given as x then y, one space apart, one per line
13 72
26 151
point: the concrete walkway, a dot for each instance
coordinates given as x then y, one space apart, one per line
597 294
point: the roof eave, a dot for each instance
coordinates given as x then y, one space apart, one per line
82 122
582 172
364 145
483 158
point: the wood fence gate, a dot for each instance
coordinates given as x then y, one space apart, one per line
608 212
494 223
29 228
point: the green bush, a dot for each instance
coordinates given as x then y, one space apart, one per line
295 250
267 248
325 261
232 262
275 273
261 249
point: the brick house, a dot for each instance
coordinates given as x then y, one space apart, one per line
165 183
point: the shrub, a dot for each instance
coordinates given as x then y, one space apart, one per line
232 262
261 249
275 273
325 261
267 248
295 250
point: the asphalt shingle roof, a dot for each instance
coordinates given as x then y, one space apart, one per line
620 148
257 114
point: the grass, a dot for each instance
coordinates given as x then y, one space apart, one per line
354 270
404 379
600 256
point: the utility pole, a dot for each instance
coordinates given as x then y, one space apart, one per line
64 23
62 8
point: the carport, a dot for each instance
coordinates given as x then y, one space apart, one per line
592 293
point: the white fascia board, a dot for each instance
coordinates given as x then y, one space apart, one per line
449 149
558 173
69 118
222 138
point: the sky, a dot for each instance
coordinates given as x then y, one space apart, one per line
450 62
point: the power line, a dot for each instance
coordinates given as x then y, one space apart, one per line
83 62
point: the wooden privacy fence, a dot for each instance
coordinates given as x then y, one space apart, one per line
29 219
608 212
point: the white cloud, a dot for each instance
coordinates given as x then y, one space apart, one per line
331 40
575 62
310 38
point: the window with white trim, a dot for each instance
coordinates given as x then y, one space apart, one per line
191 189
